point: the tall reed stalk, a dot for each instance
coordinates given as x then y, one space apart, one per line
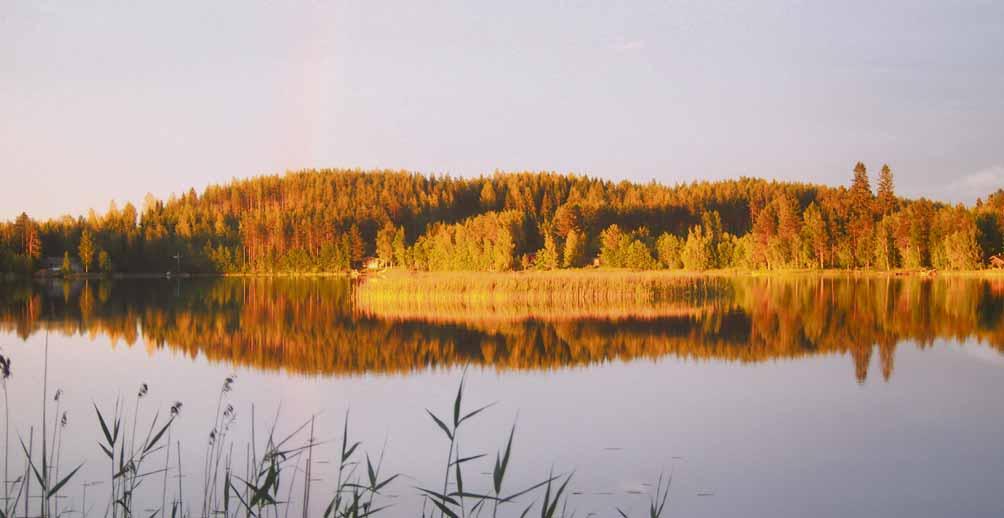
5 372
452 504
48 486
221 425
127 464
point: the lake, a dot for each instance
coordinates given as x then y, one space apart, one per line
788 396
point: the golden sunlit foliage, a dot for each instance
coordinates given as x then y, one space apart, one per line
330 220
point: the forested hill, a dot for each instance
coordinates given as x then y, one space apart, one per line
333 220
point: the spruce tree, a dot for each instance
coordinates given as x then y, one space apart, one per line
862 222
886 201
861 190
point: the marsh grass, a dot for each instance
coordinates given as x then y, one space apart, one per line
548 296
568 285
271 476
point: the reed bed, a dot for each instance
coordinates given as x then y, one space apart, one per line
551 296
270 476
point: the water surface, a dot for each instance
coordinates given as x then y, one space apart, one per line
763 396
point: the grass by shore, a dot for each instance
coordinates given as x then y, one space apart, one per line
272 478
602 283
559 294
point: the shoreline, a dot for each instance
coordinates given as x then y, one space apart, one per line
526 274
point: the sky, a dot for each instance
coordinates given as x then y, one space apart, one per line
104 101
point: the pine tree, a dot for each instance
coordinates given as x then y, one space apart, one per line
31 244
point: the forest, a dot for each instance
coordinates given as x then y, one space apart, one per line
327 221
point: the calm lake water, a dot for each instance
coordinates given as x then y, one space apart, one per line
762 396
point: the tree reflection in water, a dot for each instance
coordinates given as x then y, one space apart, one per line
319 327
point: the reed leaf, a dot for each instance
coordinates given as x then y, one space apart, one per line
440 497
446 510
441 424
456 403
156 438
59 485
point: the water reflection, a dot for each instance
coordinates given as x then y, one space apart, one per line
318 327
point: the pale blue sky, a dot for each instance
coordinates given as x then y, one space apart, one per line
111 100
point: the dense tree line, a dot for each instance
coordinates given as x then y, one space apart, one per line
331 220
